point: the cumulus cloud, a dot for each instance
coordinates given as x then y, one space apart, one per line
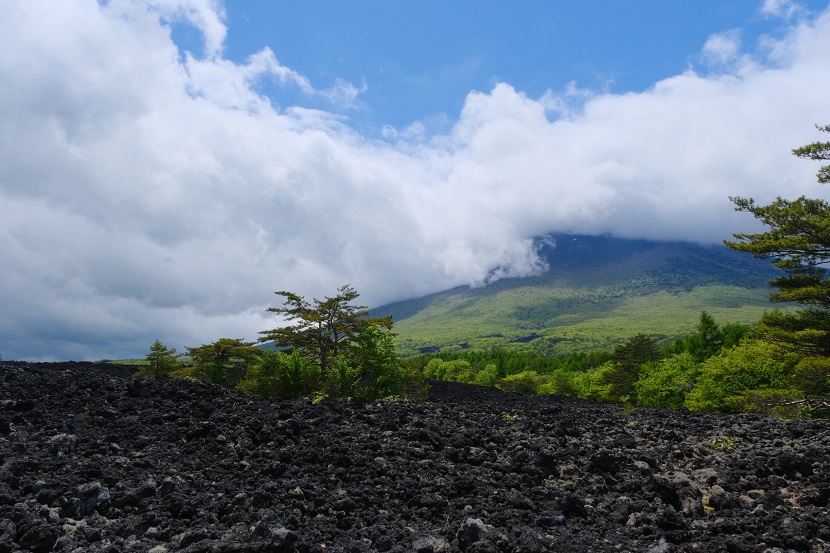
722 48
153 194
784 9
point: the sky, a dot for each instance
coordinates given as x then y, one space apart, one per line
166 165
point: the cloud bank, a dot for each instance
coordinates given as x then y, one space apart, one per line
151 193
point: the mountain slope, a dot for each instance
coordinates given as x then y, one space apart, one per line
597 292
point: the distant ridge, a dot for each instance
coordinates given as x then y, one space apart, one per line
598 291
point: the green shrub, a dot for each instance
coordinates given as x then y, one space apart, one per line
525 382
488 376
278 374
458 370
225 361
368 370
665 383
722 443
812 376
753 365
770 401
564 382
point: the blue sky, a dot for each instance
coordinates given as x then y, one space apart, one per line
166 165
419 60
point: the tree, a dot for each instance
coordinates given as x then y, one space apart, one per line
160 361
369 369
224 361
798 243
707 341
324 328
622 371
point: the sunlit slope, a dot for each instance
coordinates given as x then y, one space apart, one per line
598 291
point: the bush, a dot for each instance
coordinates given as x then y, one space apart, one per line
776 402
414 385
617 377
488 376
278 374
457 370
525 382
812 375
665 383
368 370
753 365
225 361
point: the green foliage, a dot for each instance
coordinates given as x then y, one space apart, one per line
817 151
812 376
733 333
666 382
369 370
488 376
414 385
722 443
224 361
376 358
160 361
322 329
280 374
526 382
458 370
596 384
509 417
707 340
782 403
806 331
753 365
798 243
616 383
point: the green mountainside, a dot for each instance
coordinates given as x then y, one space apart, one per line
598 292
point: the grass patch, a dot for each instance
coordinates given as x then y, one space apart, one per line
563 321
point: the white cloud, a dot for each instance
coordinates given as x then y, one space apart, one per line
152 195
206 15
784 9
722 48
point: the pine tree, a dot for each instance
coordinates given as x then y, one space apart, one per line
798 243
322 329
161 361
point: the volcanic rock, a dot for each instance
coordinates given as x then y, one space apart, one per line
94 460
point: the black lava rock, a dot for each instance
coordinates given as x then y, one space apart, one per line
92 459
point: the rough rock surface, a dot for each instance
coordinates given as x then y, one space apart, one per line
93 460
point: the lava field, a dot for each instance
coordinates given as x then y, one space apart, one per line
94 460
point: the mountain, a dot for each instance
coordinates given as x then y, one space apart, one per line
597 292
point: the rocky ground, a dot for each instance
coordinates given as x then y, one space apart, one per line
93 460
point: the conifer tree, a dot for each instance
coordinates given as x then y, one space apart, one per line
224 361
322 329
161 361
798 243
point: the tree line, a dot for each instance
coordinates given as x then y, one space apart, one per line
781 365
330 348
